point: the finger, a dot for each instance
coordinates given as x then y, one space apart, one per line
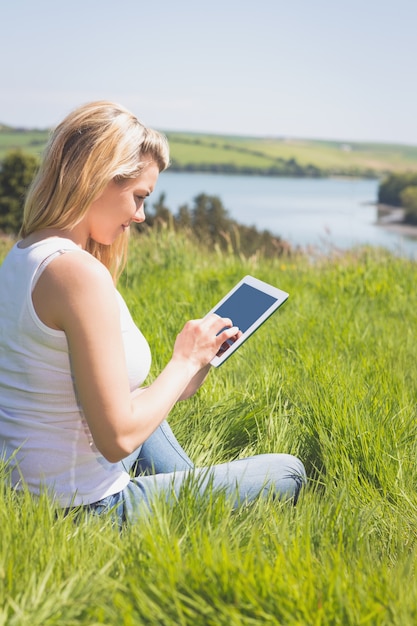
228 338
213 317
222 323
228 333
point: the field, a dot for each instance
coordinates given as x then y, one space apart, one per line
330 156
257 153
32 141
331 378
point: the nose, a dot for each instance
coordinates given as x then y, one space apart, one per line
139 216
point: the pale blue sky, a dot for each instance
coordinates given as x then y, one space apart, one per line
295 68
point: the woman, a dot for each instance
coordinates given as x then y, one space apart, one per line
74 415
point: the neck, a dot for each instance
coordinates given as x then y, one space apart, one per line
47 233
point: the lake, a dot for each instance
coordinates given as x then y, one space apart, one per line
323 212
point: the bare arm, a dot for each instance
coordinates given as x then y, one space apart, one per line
193 386
75 293
195 383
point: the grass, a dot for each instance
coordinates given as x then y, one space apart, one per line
354 158
332 377
32 141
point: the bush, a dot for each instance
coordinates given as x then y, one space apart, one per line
409 202
392 186
16 173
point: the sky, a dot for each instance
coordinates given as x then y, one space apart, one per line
318 69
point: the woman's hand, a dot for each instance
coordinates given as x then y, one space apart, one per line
200 340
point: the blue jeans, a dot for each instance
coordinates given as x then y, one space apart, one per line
161 467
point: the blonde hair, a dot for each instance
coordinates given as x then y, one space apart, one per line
95 144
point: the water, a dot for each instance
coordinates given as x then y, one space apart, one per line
323 213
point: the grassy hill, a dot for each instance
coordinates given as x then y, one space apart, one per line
333 379
213 152
332 157
32 141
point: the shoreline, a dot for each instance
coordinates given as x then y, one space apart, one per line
391 218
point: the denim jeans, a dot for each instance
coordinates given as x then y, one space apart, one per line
161 467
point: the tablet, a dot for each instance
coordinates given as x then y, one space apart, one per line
249 304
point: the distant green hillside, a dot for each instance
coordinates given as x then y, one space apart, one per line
257 155
32 141
330 157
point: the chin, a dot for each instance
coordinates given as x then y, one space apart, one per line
106 241
120 236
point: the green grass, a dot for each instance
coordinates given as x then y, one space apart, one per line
333 157
330 156
32 141
332 377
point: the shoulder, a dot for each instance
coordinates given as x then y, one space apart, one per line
73 284
77 268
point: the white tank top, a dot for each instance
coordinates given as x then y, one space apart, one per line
43 432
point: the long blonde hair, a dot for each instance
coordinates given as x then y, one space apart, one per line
95 144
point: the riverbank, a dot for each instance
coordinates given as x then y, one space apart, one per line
392 219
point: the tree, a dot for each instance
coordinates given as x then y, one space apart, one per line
409 202
391 187
16 173
183 217
161 213
209 218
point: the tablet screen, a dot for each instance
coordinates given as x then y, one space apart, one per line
245 306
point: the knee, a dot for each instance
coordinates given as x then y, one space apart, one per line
291 476
295 466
